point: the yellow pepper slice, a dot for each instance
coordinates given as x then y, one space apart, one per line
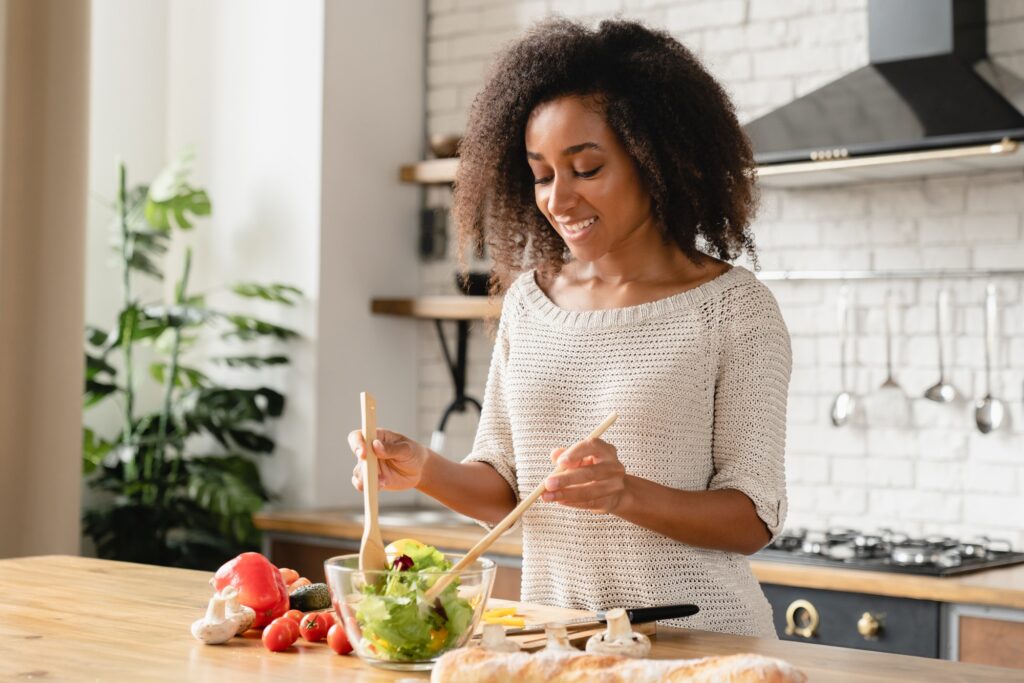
500 612
513 622
438 638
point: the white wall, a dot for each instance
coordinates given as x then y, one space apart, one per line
373 123
941 476
300 115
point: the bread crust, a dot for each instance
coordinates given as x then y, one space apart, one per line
476 665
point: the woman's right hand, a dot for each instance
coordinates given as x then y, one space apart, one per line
400 460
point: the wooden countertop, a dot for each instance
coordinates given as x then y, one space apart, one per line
1002 587
77 619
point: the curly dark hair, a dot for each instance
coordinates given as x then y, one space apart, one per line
673 118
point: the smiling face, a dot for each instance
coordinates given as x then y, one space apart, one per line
586 184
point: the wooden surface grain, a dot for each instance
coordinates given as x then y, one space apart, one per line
1002 587
78 619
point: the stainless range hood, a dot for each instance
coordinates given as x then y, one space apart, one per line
929 102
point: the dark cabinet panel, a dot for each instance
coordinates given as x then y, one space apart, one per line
896 625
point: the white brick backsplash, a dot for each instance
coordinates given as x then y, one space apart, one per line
796 61
826 258
995 227
918 257
997 511
997 447
938 476
849 472
695 15
453 24
999 256
896 443
442 99
846 500
985 478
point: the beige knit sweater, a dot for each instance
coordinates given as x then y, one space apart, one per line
699 380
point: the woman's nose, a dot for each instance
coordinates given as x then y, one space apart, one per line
562 196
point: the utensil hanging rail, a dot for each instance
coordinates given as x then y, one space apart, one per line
888 274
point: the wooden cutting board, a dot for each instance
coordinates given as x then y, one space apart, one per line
535 614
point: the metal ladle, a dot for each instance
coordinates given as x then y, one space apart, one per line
942 391
844 403
989 411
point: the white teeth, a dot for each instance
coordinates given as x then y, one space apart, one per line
578 227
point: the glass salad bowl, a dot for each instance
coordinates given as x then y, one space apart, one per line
384 613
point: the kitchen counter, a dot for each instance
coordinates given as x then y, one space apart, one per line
1001 587
76 619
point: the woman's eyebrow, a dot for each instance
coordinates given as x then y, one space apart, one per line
568 151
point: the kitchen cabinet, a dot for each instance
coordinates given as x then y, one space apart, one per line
986 635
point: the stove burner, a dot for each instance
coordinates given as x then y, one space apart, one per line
888 550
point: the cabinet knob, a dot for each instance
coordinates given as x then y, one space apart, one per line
868 626
809 619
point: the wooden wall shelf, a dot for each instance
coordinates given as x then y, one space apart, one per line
440 307
432 172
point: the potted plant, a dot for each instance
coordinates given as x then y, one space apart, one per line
166 495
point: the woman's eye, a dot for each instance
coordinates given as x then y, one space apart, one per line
542 181
589 174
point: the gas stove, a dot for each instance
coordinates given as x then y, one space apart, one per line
890 551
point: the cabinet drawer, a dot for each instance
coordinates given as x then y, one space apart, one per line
909 627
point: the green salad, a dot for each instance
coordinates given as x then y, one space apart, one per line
396 624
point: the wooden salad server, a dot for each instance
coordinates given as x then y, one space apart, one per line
371 550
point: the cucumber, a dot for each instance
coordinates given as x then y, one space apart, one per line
310 598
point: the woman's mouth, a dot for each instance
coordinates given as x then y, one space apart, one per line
574 232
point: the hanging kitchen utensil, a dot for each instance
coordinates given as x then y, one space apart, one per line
989 412
845 402
371 550
889 406
942 391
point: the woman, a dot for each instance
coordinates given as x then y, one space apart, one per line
609 176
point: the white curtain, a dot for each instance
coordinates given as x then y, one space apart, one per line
44 70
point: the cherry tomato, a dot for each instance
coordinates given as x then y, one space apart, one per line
314 625
295 615
291 625
289 575
279 635
338 640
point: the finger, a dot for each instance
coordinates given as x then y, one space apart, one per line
585 495
578 452
355 442
580 475
555 453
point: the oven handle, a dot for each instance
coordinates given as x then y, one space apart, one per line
806 630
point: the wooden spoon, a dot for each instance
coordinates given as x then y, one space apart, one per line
501 527
371 550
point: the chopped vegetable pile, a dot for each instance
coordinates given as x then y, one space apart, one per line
395 625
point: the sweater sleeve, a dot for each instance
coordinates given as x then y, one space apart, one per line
751 390
493 442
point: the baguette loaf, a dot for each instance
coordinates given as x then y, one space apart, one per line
476 665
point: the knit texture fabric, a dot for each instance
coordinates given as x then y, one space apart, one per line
699 380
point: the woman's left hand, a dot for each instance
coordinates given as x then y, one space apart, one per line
590 477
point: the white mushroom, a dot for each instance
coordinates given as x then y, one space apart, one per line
243 614
216 627
619 638
494 639
558 640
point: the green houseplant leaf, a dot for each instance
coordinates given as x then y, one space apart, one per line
160 503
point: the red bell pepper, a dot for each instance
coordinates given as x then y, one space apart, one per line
259 585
